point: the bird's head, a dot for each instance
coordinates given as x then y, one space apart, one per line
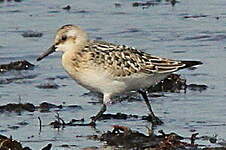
68 37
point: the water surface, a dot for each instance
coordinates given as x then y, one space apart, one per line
161 30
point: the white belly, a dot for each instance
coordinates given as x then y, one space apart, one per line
101 81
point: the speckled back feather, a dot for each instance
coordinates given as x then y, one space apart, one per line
124 61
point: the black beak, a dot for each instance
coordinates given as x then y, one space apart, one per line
49 51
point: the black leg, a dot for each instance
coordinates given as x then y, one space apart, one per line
93 119
98 115
155 120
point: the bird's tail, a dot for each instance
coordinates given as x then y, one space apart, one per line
191 63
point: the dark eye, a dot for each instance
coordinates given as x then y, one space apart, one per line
64 37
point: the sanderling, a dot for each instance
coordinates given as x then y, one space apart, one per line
110 69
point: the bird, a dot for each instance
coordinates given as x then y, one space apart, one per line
111 69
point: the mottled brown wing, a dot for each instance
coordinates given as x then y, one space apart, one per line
122 61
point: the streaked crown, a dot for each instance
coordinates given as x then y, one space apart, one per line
69 37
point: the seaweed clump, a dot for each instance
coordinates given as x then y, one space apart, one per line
10 144
124 137
17 65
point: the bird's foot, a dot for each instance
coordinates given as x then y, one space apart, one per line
92 123
155 120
